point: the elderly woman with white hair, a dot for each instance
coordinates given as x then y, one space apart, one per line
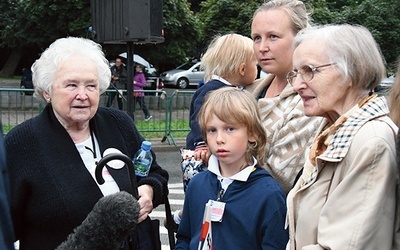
346 196
52 157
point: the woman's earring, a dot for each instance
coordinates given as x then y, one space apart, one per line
48 100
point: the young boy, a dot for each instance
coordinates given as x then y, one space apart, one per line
248 206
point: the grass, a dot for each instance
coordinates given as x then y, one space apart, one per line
156 128
149 130
7 128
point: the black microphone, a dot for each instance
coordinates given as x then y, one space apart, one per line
112 219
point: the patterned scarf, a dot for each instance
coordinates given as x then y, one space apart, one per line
322 141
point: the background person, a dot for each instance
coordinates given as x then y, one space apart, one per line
118 82
346 196
139 82
289 131
52 157
232 129
26 80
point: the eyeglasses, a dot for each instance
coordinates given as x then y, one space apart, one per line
306 72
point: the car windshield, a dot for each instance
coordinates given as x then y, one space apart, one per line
186 66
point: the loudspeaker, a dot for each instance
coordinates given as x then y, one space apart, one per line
121 21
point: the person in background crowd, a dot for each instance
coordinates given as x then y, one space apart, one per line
26 80
231 127
52 157
139 82
118 83
346 195
289 131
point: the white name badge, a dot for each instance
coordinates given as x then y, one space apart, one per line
217 210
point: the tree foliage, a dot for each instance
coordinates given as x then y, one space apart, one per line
38 23
225 16
181 33
380 17
189 25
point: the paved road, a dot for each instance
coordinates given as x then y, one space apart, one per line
169 158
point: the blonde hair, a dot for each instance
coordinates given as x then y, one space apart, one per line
225 54
235 106
296 10
394 98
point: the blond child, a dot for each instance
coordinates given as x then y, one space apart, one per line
249 206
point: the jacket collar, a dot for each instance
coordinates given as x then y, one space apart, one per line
340 142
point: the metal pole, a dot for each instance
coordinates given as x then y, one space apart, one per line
129 56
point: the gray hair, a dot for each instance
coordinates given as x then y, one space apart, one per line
353 49
44 69
295 9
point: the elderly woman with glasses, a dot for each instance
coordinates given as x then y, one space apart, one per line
346 195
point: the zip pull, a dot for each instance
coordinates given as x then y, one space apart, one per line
220 194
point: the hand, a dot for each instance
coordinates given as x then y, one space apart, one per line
145 201
202 154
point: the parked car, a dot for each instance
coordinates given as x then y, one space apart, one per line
153 82
188 74
384 87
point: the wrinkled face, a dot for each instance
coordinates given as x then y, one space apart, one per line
75 92
227 142
327 94
272 35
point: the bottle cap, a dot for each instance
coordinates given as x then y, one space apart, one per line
146 145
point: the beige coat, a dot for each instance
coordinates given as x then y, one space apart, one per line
289 131
350 204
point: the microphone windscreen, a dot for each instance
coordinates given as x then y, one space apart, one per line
112 219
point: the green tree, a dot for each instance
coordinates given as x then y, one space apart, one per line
181 33
29 26
224 16
380 17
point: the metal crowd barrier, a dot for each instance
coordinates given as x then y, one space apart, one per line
169 111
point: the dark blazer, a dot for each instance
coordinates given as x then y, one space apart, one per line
6 231
52 192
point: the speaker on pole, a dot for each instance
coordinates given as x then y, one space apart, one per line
122 21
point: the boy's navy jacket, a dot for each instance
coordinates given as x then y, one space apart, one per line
254 216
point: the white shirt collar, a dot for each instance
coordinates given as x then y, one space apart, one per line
215 77
243 175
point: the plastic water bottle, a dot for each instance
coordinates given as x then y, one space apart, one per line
143 159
